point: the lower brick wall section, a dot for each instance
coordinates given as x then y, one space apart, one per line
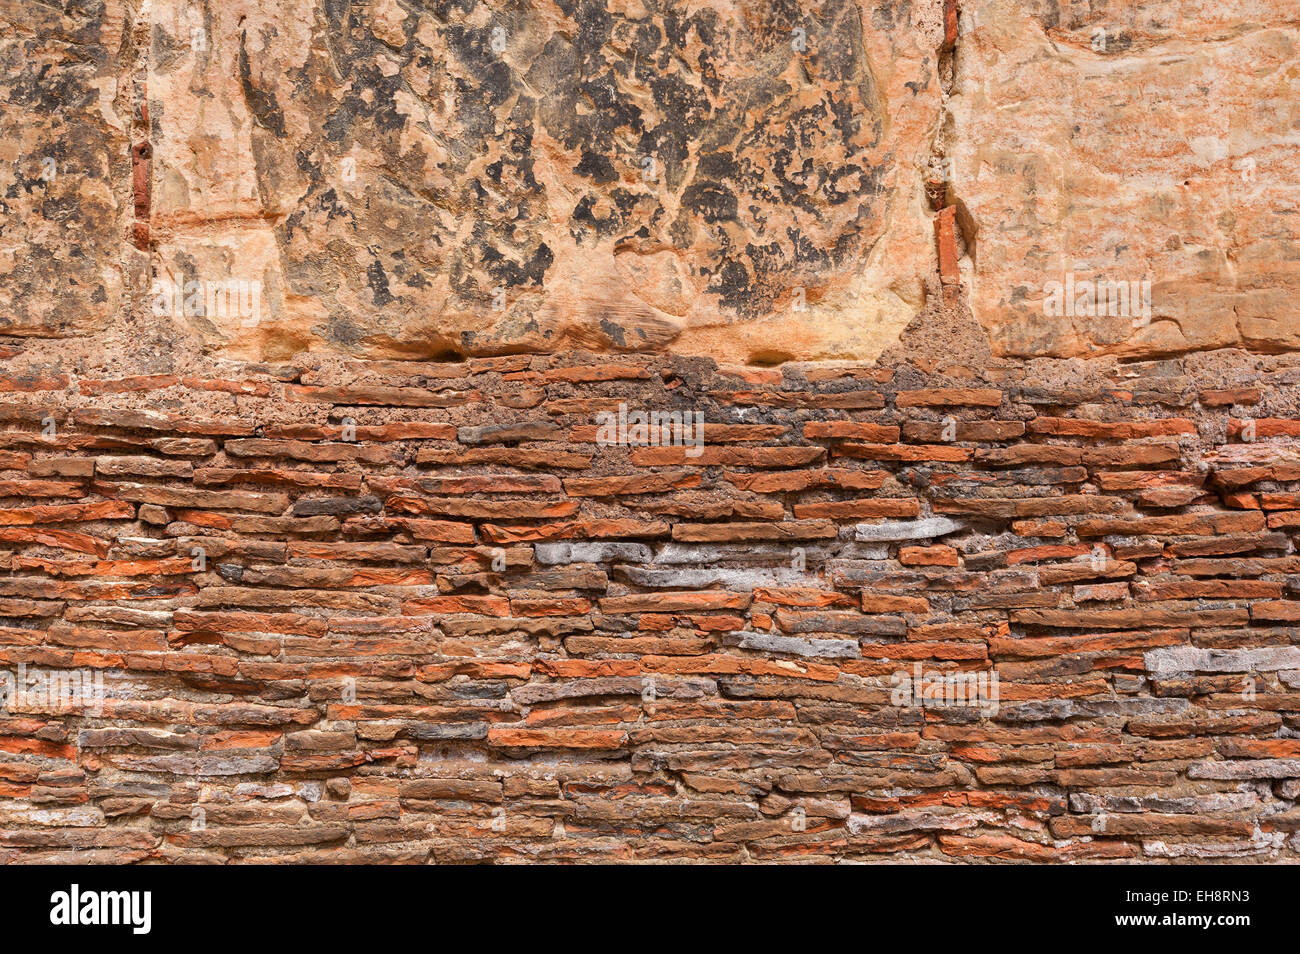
420 613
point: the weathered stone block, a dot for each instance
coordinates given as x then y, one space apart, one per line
561 553
1129 143
65 165
403 184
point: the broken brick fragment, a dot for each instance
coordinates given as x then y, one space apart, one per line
950 12
945 234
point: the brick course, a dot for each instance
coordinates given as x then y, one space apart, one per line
415 612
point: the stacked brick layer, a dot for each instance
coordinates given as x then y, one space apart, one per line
415 612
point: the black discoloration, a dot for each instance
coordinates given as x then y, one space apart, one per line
597 168
62 233
378 283
615 332
261 103
712 201
732 284
731 140
688 129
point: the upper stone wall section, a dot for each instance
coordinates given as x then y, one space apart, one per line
1119 141
751 180
446 178
64 165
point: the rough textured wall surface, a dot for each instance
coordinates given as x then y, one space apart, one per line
415 612
323 537
752 181
65 166
1125 141
485 176
448 178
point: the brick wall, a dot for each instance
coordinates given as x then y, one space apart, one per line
416 612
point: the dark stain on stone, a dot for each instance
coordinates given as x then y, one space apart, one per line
745 166
615 332
261 103
733 285
711 200
597 168
343 330
378 283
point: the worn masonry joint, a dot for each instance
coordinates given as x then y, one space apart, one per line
140 155
141 168
939 175
945 235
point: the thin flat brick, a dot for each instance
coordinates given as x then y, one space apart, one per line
946 397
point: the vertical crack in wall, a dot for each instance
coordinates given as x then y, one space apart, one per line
954 226
141 148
